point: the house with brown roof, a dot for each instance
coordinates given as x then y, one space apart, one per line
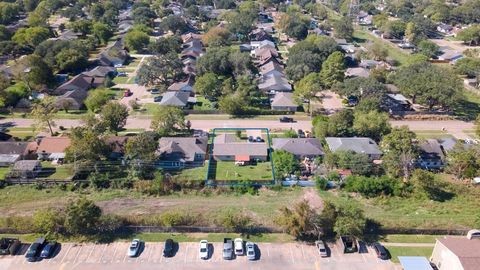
178 153
457 253
117 146
114 55
185 86
11 151
71 100
53 148
79 82
274 84
272 68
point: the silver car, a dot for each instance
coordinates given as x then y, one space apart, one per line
250 249
238 243
322 249
134 248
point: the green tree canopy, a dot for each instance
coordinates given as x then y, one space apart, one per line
136 40
82 217
160 69
285 164
372 124
114 116
399 151
96 99
167 120
333 69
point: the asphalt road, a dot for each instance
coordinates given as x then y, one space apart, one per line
454 127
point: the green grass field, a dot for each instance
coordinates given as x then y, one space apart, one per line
195 174
459 210
409 251
363 36
229 171
410 238
3 172
432 134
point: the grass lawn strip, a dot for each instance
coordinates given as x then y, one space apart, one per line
229 171
409 251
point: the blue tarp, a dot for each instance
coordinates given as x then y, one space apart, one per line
414 263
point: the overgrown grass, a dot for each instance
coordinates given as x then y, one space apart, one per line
195 174
3 172
410 238
457 212
409 251
432 134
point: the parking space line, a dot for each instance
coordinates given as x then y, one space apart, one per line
103 253
115 252
291 254
91 252
303 252
66 253
186 253
76 256
150 254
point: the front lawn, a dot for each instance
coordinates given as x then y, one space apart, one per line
3 172
362 36
57 172
409 251
229 171
195 174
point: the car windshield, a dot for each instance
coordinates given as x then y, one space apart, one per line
133 245
322 250
250 253
203 250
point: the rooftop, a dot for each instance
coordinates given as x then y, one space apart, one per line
467 250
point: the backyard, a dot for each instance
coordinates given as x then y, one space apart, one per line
229 171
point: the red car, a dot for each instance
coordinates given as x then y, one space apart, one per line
127 93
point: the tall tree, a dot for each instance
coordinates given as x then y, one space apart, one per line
308 87
333 69
399 151
343 28
82 217
160 69
168 119
285 164
371 124
44 112
114 115
208 85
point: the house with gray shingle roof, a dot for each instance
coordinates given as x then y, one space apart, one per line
26 168
226 147
275 83
178 153
283 101
358 145
175 98
272 68
300 147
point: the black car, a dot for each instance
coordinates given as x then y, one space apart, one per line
381 251
286 119
34 250
49 250
169 247
157 99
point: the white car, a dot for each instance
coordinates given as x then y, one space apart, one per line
203 251
250 247
238 246
134 248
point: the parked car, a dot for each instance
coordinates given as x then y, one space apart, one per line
286 119
157 99
9 246
301 134
239 247
322 249
49 250
154 91
203 251
349 244
134 248
122 74
380 251
34 250
168 248
250 247
227 249
127 93
251 139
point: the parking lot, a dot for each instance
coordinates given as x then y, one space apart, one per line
270 256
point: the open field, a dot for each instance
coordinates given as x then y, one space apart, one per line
229 171
458 210
204 207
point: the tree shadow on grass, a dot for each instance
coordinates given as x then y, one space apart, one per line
467 110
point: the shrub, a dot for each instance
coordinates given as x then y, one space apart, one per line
321 183
234 221
373 186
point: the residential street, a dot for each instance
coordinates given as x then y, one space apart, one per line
455 127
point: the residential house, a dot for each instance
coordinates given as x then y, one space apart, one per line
188 37
66 35
194 46
274 84
364 18
99 74
117 146
11 151
185 86
457 253
79 82
26 168
179 153
260 35
444 28
431 156
357 72
227 148
396 103
259 44
53 148
125 26
449 55
301 148
264 52
271 68
358 145
114 55
283 101
177 98
71 100
371 64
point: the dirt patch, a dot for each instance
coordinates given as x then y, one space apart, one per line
313 199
